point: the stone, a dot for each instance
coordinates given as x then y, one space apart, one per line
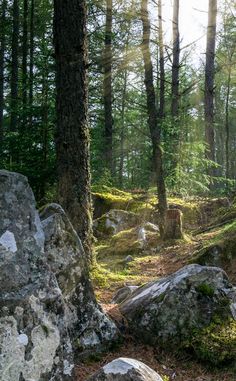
33 331
125 369
115 221
90 327
48 310
170 309
123 293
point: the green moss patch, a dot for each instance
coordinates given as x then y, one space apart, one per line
216 344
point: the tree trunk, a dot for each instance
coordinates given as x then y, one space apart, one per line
175 64
2 60
161 62
175 93
152 116
227 122
14 69
31 68
72 137
24 64
107 89
173 224
209 82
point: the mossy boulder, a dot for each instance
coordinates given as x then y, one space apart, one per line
114 221
220 249
215 344
168 312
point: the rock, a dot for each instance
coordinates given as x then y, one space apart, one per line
114 221
125 369
123 293
47 305
170 309
129 259
34 342
148 226
89 326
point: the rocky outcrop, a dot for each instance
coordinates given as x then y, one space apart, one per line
171 309
89 327
115 221
37 322
125 369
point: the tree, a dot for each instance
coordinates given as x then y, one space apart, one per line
31 66
175 90
14 68
107 88
25 64
72 136
209 82
2 60
153 116
161 62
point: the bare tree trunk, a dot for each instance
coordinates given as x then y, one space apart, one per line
31 68
227 124
72 138
209 82
122 135
14 69
175 92
107 89
2 61
152 116
175 64
24 64
161 62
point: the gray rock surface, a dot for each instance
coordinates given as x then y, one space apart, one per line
90 328
123 293
125 369
34 343
38 319
169 310
115 221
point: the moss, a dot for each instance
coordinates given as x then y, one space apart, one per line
216 344
206 290
219 248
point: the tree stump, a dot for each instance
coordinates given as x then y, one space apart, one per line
173 224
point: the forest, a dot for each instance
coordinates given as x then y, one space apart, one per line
117 190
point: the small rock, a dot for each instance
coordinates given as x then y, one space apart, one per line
125 369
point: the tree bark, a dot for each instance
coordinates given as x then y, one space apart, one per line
14 69
31 66
161 62
107 89
152 116
72 137
2 61
209 82
175 93
24 64
175 64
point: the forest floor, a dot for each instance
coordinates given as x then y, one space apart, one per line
156 260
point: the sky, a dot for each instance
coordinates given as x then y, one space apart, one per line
193 24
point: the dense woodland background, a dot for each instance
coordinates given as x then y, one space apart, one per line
195 100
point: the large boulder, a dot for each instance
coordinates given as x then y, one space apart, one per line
89 326
123 293
115 221
34 343
44 317
171 309
125 369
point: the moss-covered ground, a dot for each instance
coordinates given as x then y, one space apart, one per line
154 259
